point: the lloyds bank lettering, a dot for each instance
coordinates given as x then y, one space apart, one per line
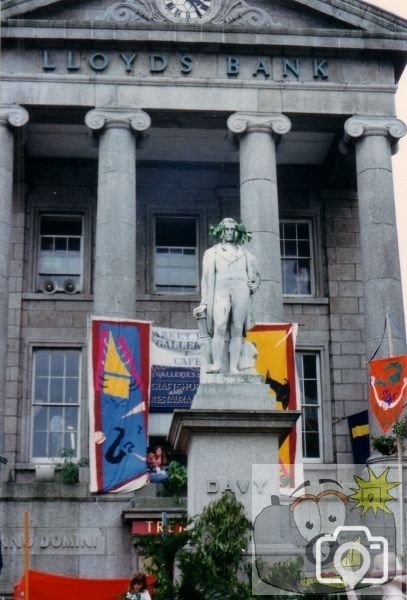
158 64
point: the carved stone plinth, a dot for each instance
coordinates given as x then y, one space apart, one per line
231 426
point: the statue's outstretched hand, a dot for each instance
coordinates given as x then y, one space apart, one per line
199 311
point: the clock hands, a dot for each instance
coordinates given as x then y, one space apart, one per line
198 5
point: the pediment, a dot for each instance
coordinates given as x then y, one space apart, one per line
264 14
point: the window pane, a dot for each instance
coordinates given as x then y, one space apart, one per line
60 254
175 258
72 363
61 244
61 225
296 249
173 231
74 244
303 249
71 391
310 392
41 389
55 427
290 249
47 243
40 418
290 231
40 444
289 276
57 391
303 231
310 366
57 364
311 445
41 363
308 376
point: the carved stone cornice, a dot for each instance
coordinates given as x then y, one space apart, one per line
98 119
13 115
275 124
239 12
360 126
134 11
229 12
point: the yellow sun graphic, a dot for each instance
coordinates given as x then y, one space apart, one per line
373 492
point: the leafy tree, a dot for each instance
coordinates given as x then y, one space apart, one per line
212 565
208 554
162 549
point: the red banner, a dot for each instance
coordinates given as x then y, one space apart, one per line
388 389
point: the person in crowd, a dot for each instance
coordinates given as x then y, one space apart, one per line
160 458
138 588
157 474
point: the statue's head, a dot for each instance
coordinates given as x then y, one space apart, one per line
229 230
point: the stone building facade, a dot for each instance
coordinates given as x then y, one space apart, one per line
126 128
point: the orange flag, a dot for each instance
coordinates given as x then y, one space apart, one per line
275 343
388 389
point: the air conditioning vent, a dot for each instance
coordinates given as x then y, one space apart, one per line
48 286
70 286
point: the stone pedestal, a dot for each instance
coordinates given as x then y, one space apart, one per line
231 426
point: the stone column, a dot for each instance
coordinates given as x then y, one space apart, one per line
10 116
258 133
115 250
375 138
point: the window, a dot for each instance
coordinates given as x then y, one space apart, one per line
308 369
296 258
55 402
60 255
176 255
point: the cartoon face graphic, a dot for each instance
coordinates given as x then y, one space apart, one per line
327 538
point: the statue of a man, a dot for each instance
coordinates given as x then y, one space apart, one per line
229 278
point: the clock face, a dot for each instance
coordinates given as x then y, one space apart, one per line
188 11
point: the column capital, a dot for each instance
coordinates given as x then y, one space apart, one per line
246 122
104 118
14 115
358 127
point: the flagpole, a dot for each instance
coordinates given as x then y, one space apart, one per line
26 555
399 463
389 335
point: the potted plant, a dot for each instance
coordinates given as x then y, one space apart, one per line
176 484
68 468
385 444
400 429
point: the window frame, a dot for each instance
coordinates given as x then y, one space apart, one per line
51 215
196 256
313 266
54 347
325 404
201 223
49 209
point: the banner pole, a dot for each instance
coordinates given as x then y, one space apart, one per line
26 555
389 335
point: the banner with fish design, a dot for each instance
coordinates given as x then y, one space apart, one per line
119 378
275 344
